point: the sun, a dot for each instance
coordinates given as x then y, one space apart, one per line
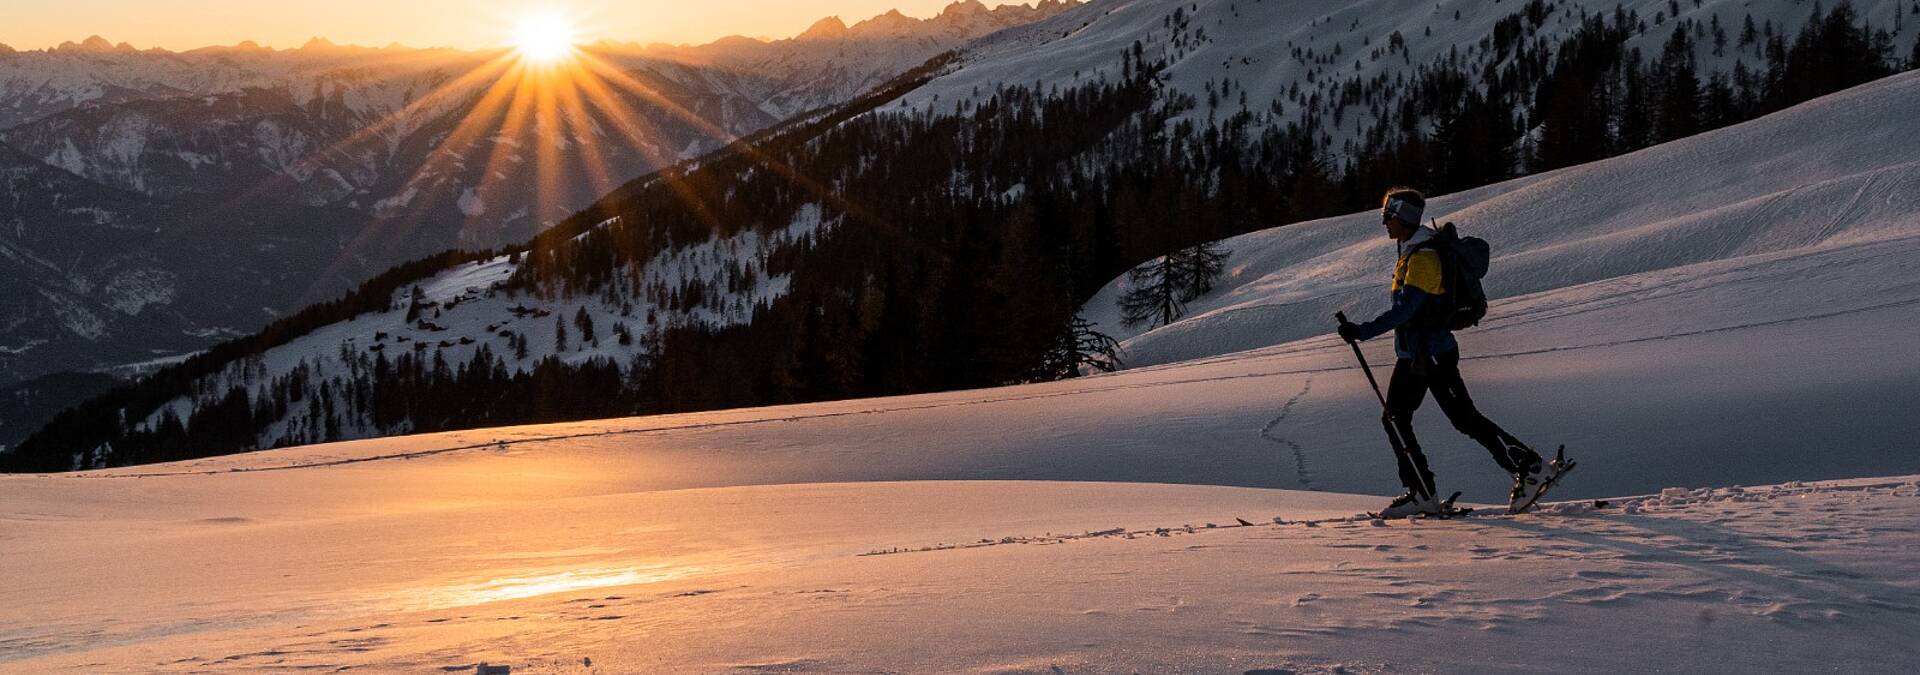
543 38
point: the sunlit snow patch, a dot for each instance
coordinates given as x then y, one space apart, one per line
515 588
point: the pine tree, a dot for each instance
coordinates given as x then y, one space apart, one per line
559 334
1882 52
584 322
1161 289
1153 294
1075 347
1679 89
1200 267
1473 146
1635 113
1720 108
416 299
1746 93
1574 103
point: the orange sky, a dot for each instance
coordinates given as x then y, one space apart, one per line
186 24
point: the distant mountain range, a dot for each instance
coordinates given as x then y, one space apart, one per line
155 202
946 230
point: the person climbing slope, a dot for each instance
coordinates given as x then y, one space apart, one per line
1428 360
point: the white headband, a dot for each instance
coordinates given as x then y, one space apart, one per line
1402 209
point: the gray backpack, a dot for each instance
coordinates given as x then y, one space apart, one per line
1463 262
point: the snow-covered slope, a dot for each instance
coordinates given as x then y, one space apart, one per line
462 311
439 565
1756 216
579 548
933 533
1292 57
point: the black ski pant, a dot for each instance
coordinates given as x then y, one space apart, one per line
1440 374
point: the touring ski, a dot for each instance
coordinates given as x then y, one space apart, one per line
1447 510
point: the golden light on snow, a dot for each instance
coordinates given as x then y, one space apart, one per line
544 38
528 586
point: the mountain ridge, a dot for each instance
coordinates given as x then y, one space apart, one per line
1007 213
349 130
887 19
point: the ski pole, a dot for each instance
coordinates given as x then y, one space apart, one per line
1342 317
1400 453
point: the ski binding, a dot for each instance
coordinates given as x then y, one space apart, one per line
1447 511
1565 465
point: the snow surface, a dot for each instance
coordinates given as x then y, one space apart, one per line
934 533
550 556
1731 310
1810 211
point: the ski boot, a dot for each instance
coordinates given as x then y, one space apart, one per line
1409 504
1530 484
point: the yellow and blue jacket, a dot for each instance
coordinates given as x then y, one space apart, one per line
1417 275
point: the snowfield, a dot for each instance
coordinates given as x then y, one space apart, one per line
1719 329
538 559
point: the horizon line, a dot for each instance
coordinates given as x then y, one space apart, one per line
250 44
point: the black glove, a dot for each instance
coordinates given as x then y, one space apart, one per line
1349 332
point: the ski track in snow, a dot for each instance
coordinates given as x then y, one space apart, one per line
1670 500
1299 453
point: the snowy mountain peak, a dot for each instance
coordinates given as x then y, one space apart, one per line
830 28
93 43
891 22
962 8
